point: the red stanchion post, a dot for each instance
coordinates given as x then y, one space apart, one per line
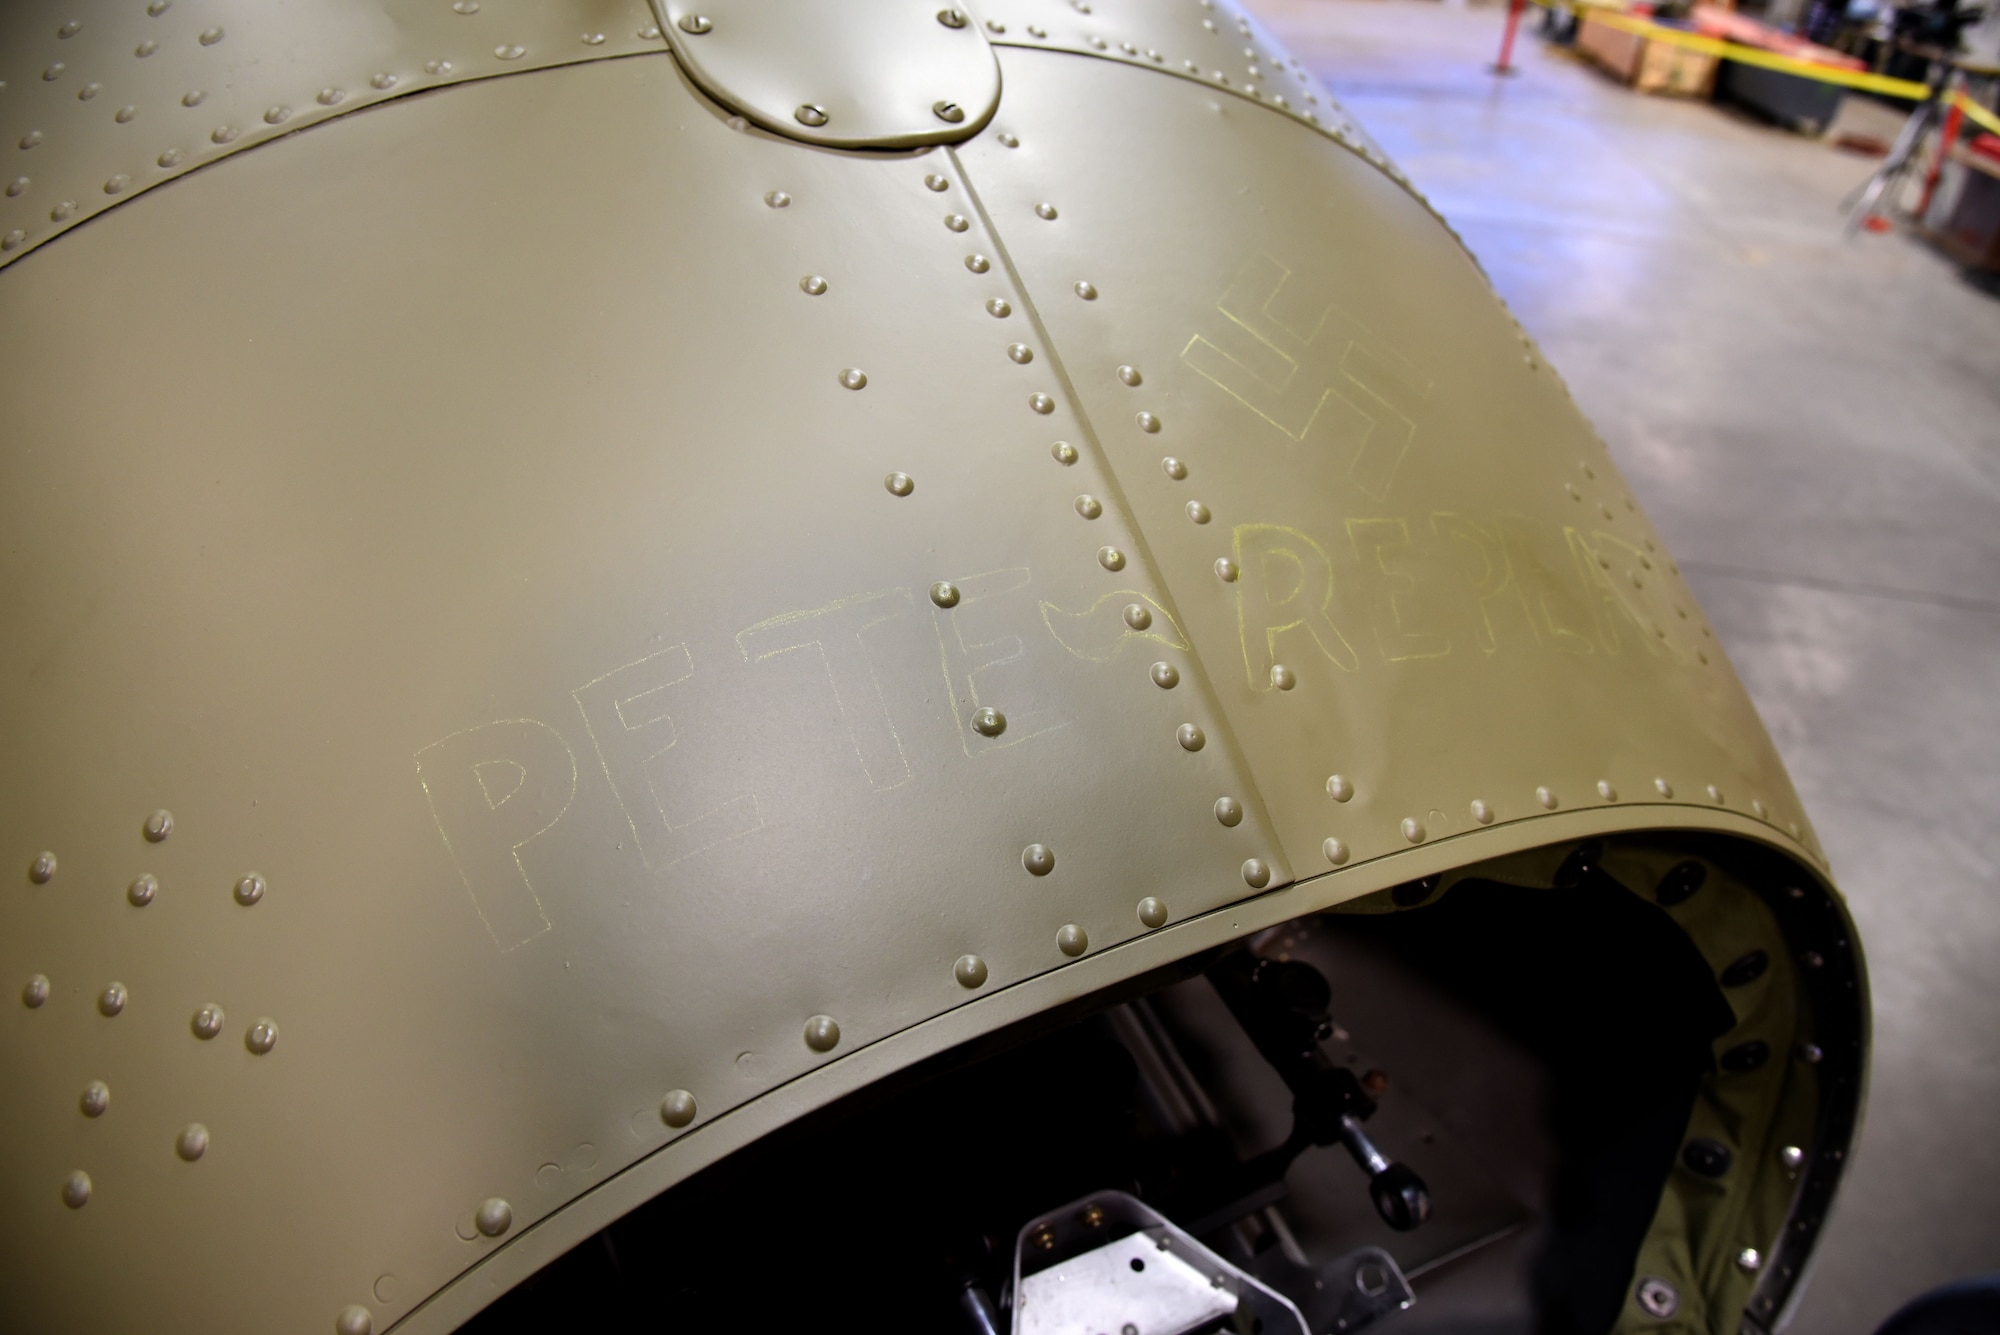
1953 118
1504 65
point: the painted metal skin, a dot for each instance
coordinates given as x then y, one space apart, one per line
643 624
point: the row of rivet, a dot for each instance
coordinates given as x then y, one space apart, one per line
224 135
1341 789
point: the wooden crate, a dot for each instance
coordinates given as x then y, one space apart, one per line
1650 67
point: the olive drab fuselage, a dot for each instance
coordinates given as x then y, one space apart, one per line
647 587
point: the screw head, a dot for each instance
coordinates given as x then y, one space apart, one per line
948 111
810 114
697 24
1748 1261
951 18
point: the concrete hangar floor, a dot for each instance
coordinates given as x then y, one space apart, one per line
1815 427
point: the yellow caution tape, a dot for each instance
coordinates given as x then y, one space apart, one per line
1608 13
1977 114
1770 60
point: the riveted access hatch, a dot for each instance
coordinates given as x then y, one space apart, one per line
882 74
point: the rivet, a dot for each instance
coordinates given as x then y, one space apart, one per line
467 7
1663 788
31 138
36 993
1715 794
250 889
1010 141
995 26
1063 452
382 82
1813 959
1130 375
495 1217
1148 423
111 1000
1282 678
16 186
1546 798
1042 404
948 111
1072 940
956 222
1191 737
261 1037
354 1320
192 1142
145 48
1165 676
988 721
1606 791
1197 512
898 484
810 114
207 1022
1229 811
854 378
1481 812
649 33
223 134
43 869
1335 851
158 7
1097 43
194 97
210 36
978 263
677 1108
331 97
1413 829
1110 558
777 199
593 39
813 285
694 24
1152 912
1792 1157
170 159
1137 616
116 184
68 30
970 971
434 68
88 91
76 1190
1255 874
1758 809
1039 859
96 1098
1174 468
944 594
822 1033
951 18
1037 32
1225 570
1812 1053
1086 290
1748 1261
1339 788
1090 508
1657 1298
1020 353
1045 211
